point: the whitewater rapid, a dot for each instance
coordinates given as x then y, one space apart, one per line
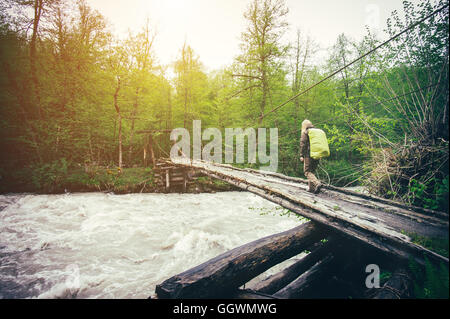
97 245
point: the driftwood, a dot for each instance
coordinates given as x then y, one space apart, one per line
381 227
281 279
222 275
310 280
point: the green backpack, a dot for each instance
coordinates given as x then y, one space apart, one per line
318 143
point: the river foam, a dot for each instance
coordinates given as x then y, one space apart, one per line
97 245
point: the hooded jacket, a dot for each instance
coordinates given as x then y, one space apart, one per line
304 142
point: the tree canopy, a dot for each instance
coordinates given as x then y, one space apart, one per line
72 92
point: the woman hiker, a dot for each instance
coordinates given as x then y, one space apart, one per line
310 164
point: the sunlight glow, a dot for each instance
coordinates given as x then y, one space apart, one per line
213 27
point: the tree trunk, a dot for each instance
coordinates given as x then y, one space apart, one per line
185 107
119 120
310 282
280 280
152 153
133 118
222 275
38 7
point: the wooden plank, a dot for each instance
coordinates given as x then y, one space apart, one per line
167 179
372 198
185 178
437 219
222 275
388 246
251 294
281 279
363 226
310 280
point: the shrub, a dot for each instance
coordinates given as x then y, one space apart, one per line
431 283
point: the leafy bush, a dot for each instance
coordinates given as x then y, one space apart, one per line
49 177
438 199
431 283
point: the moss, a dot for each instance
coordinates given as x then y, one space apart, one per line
438 245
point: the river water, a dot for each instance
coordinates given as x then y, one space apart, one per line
97 245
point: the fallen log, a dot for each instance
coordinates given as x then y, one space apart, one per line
370 197
360 226
397 287
251 294
309 281
281 279
222 275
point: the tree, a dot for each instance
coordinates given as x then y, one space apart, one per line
141 64
41 9
302 51
190 84
262 51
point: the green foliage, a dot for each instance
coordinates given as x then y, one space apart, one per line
438 245
437 200
337 138
59 176
384 277
430 281
62 115
50 176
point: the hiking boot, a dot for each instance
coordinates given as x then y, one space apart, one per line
318 187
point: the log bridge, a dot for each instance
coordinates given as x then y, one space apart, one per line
346 232
172 177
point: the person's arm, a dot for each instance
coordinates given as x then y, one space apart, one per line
304 145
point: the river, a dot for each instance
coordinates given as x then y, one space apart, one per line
97 245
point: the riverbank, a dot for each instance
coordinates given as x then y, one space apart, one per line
57 179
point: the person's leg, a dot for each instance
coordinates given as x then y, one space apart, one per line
314 184
317 183
309 166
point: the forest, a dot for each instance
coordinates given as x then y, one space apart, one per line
75 99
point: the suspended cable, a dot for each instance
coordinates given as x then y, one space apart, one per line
354 61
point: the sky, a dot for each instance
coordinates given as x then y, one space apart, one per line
213 27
